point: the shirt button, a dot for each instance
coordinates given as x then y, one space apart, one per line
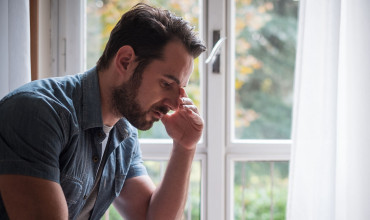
85 197
95 159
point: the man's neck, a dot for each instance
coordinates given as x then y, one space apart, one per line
108 116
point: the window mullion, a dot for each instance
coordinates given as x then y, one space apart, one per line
68 37
216 96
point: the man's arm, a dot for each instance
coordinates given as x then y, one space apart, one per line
134 199
169 199
28 197
139 199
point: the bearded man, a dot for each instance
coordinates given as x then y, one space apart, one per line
69 146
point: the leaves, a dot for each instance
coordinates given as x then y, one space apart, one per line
264 67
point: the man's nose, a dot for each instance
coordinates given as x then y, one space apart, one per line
173 101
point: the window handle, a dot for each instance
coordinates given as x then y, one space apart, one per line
214 57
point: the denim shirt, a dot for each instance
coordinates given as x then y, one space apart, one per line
52 129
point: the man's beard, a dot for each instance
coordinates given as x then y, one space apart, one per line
125 104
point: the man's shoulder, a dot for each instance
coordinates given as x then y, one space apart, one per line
47 87
52 97
48 90
27 105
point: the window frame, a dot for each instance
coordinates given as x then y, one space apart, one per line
68 38
231 159
237 149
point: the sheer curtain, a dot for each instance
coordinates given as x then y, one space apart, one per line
15 64
329 176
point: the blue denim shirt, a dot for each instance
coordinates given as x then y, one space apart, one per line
52 129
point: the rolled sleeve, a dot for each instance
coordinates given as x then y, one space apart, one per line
31 137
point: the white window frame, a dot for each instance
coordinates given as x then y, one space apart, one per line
217 151
222 85
67 37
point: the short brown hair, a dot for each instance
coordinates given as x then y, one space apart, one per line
147 30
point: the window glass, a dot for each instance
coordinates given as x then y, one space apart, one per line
102 16
156 171
260 190
265 45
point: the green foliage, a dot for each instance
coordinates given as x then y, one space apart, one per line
264 68
260 190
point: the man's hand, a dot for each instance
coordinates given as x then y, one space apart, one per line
185 125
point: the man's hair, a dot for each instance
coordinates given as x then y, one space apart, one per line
147 30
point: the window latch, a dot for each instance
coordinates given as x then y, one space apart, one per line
214 56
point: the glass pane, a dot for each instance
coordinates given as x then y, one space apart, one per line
156 171
265 45
102 16
260 190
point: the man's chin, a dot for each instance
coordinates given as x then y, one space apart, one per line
146 126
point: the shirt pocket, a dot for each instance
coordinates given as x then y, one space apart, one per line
118 182
72 188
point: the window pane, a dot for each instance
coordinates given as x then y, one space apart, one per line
265 45
102 16
156 171
260 190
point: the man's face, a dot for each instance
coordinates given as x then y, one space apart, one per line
144 101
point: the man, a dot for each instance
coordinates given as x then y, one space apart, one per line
69 146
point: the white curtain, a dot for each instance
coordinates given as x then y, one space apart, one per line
330 162
15 63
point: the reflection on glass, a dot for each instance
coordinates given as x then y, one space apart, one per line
265 45
260 190
156 170
102 16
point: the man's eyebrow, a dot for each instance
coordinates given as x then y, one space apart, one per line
173 78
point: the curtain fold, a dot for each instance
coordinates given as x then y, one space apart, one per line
15 64
331 113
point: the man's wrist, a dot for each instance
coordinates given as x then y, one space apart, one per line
188 149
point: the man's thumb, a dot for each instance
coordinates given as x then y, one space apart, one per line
164 119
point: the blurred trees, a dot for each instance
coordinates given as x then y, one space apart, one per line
265 45
260 190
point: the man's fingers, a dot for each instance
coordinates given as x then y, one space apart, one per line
192 108
196 119
186 101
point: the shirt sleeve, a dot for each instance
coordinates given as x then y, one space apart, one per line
31 136
137 167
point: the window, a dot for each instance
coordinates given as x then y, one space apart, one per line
262 45
264 34
259 189
241 166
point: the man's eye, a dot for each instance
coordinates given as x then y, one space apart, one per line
165 84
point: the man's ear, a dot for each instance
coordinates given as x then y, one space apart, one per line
124 61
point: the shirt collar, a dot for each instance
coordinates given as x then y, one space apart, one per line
91 104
